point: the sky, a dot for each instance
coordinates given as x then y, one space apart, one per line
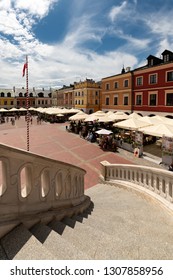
67 41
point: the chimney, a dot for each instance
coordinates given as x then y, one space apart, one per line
128 69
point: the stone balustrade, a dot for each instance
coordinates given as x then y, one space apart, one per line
34 188
156 182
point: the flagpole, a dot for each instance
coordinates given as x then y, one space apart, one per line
27 104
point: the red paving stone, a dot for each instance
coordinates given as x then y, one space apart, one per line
52 140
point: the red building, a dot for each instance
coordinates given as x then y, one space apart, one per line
153 86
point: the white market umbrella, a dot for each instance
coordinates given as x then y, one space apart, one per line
79 116
13 110
95 116
131 124
31 109
162 119
60 115
22 109
3 110
119 117
158 130
134 116
103 132
105 119
73 110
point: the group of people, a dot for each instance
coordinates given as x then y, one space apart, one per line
6 119
108 142
88 131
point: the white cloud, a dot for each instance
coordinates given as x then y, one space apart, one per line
160 31
116 11
38 8
132 43
5 4
83 32
163 26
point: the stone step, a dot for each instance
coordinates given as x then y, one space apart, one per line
3 255
54 242
20 244
85 238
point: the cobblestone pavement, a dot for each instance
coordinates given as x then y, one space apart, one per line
52 140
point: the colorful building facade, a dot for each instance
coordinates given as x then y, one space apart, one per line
87 96
117 92
7 98
16 98
153 86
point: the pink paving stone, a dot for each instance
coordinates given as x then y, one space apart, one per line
66 156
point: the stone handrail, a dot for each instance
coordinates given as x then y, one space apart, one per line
34 187
154 181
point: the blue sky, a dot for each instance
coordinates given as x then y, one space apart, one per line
69 40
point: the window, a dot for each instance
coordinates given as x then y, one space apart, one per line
126 83
2 94
5 102
115 100
82 102
153 79
11 103
107 86
153 98
151 62
20 94
125 100
169 99
96 102
8 94
166 58
107 100
139 81
116 85
40 94
139 99
169 76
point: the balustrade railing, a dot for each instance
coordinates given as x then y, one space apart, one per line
33 185
154 181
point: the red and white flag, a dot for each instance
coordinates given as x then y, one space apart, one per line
24 68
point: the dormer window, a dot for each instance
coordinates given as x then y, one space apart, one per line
167 56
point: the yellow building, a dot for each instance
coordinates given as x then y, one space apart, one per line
87 95
7 98
117 92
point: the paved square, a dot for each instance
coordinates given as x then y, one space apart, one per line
52 140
